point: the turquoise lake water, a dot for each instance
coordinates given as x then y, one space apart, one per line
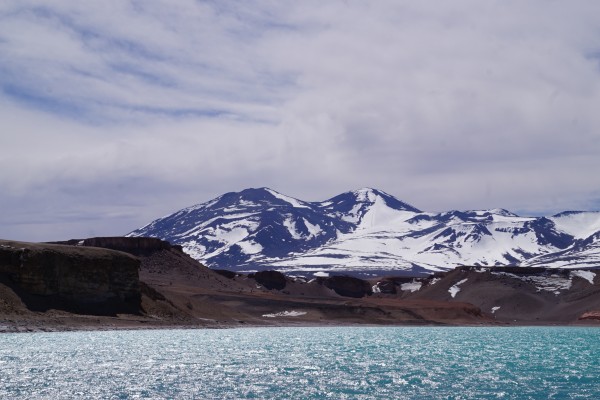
300 363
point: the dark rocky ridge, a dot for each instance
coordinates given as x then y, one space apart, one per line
139 246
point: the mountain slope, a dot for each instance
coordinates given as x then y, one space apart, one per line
240 228
368 231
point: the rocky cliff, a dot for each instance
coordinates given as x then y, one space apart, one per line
79 279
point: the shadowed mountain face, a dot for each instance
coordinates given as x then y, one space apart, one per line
368 231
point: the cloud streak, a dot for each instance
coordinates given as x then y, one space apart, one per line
465 105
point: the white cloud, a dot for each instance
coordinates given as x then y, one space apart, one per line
469 104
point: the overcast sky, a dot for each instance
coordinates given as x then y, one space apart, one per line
114 113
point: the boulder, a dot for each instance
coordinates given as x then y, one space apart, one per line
271 279
348 286
387 286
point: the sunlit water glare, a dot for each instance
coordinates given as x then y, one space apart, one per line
283 363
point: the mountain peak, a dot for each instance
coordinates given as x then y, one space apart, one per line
256 191
502 211
369 195
365 194
290 200
262 195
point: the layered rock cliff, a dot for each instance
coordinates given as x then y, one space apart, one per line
79 279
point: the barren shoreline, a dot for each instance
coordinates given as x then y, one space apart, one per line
34 328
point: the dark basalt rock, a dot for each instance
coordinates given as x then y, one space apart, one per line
271 279
387 286
77 279
348 286
534 271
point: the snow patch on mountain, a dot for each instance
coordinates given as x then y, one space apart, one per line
313 229
454 289
587 275
579 224
290 224
294 202
250 247
413 286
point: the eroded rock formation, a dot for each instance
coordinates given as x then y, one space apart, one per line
78 279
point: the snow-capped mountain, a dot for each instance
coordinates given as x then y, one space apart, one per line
584 252
369 231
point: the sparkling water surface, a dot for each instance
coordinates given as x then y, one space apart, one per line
300 363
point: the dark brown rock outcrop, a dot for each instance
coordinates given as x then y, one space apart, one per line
348 286
387 286
77 279
271 279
